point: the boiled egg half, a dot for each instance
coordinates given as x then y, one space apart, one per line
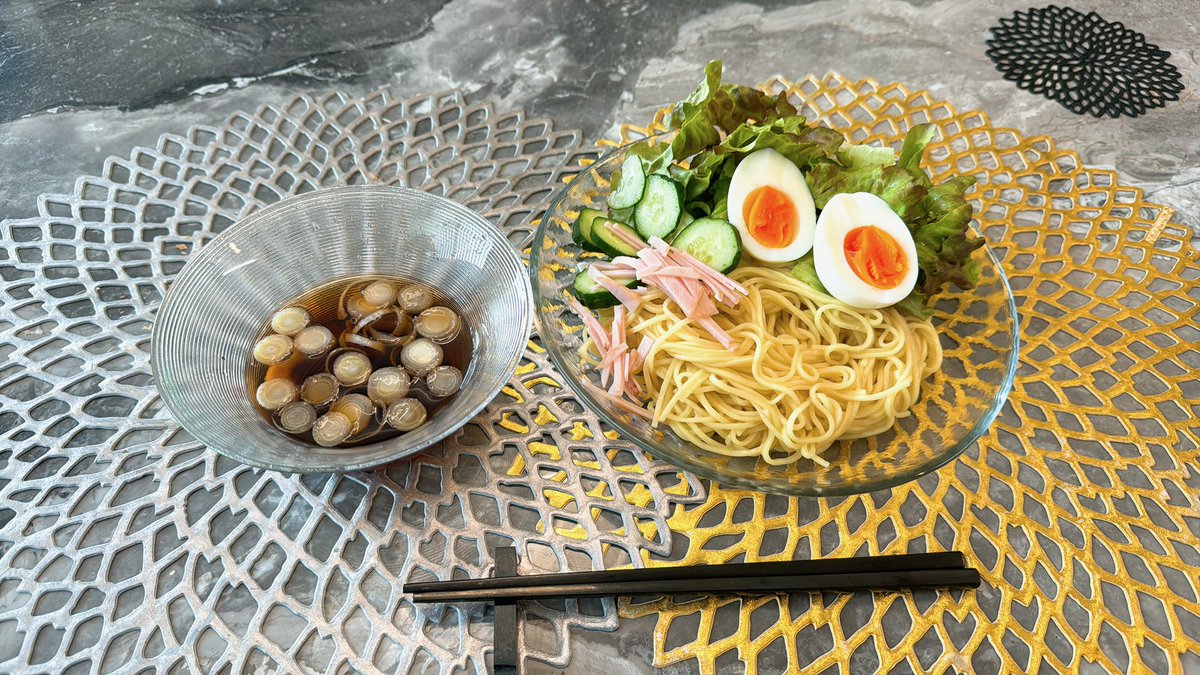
770 205
863 252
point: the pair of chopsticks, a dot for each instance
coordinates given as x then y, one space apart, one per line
890 572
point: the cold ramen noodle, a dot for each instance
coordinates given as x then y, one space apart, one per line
359 360
763 287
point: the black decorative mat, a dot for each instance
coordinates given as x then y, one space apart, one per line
1084 62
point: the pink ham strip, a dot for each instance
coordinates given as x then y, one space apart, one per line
618 363
673 287
618 326
704 305
631 239
613 355
714 279
625 296
636 358
620 375
621 403
644 347
616 274
609 265
595 330
679 271
710 325
652 257
632 389
708 277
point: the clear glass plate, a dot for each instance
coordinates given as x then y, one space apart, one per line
978 331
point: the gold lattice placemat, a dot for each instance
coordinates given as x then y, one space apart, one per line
1081 506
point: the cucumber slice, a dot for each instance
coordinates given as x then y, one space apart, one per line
591 294
659 211
621 215
631 184
712 241
581 231
684 220
607 241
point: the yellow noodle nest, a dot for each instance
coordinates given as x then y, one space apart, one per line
807 372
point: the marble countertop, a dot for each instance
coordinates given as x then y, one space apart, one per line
86 81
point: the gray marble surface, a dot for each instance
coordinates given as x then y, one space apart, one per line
83 82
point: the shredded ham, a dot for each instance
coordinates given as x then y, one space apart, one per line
618 274
689 283
636 359
679 271
625 236
626 296
618 326
595 330
613 355
716 331
621 375
721 285
621 403
644 347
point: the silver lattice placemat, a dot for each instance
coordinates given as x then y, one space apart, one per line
124 541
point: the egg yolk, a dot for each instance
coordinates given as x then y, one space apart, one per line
770 217
875 256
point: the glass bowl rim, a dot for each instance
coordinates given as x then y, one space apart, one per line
705 470
283 206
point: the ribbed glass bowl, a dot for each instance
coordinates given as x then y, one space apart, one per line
978 331
218 305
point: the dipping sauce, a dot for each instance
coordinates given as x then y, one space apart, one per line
358 360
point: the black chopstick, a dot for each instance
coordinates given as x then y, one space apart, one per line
504 656
847 581
829 566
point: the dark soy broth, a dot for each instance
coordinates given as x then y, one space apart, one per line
322 303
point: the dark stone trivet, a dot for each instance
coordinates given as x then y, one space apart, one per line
1084 62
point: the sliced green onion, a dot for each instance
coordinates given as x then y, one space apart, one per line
290 320
415 298
297 417
357 408
320 389
331 429
406 414
444 381
379 293
276 393
351 368
421 356
387 385
273 349
360 341
440 324
314 341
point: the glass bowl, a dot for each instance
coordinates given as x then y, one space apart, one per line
978 331
217 306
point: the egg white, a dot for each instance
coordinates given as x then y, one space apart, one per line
843 213
767 167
